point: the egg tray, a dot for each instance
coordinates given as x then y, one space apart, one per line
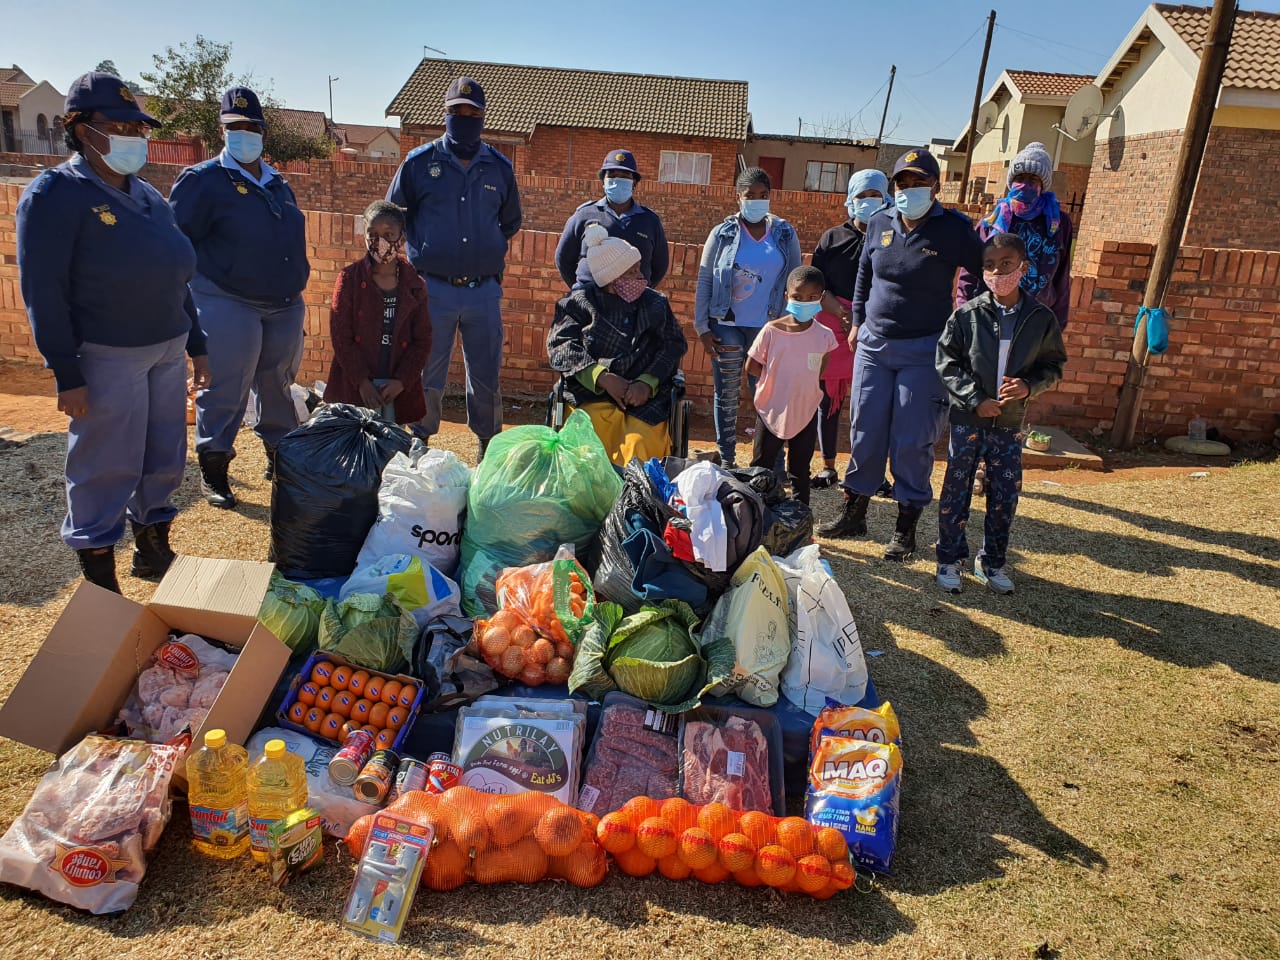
303 675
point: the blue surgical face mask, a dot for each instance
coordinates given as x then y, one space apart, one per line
245 146
913 202
618 189
126 155
804 310
864 207
753 211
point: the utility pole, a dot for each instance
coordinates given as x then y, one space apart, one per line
977 102
331 82
799 126
883 116
1213 61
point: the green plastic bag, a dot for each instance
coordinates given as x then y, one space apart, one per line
370 630
534 490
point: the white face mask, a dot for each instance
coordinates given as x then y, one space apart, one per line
125 155
245 146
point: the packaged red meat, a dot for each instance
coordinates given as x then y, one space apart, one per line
84 835
634 754
732 755
176 689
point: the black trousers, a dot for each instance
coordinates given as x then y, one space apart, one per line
767 447
828 424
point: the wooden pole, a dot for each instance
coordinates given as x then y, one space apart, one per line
977 102
883 116
1213 61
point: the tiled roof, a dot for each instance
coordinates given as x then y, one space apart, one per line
309 122
362 133
1254 60
14 74
10 92
1031 83
519 98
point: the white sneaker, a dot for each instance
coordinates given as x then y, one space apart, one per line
996 578
949 577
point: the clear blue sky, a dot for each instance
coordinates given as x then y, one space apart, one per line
823 61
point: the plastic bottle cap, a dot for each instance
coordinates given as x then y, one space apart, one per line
275 749
215 739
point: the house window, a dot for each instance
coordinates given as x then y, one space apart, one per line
826 176
680 167
42 127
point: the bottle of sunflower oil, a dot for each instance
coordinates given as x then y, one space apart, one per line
277 788
218 794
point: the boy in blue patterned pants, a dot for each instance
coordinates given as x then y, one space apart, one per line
997 351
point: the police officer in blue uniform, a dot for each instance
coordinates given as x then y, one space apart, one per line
251 269
104 270
620 214
463 207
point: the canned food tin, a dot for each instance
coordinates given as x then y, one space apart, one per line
442 773
411 775
376 778
347 763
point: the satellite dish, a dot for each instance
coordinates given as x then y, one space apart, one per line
987 115
1083 112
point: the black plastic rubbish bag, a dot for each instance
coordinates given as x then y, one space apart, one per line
788 526
325 495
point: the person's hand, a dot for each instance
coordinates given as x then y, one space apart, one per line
201 376
638 394
988 409
74 403
615 386
1013 389
711 343
853 338
369 396
390 390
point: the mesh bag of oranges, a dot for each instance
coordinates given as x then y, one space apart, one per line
496 838
544 609
714 844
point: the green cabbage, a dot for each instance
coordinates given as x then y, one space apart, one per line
370 630
292 612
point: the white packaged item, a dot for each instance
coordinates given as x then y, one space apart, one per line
419 588
520 751
420 507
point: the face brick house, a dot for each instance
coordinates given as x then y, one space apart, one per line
553 122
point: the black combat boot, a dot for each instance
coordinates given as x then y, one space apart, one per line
214 483
99 567
269 473
151 552
903 544
852 521
484 448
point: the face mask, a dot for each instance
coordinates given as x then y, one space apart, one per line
1003 284
913 202
863 209
753 211
245 146
630 288
382 250
618 189
126 155
804 310
463 133
1023 197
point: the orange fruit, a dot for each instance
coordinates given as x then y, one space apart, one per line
589 823
372 688
494 642
358 834
523 636
813 872
697 849
370 728
759 828
634 863
298 712
832 844
673 868
416 804
343 701
505 620
446 867
361 710
640 808
842 875
396 717
321 673
324 698
585 867
511 663
826 893
748 877
378 714
775 865
542 650
408 694
331 725
524 862
386 739
341 677
655 838
536 803
736 852
717 820
508 821
680 813
390 692
307 693
559 831
712 874
357 681
314 719
615 833
796 835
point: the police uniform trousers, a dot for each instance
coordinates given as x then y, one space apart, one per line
898 411
474 314
251 347
126 456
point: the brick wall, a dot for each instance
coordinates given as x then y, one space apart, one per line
1238 190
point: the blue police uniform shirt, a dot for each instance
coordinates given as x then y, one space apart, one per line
905 280
460 218
639 226
101 265
250 237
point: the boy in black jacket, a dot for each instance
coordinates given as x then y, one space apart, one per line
997 351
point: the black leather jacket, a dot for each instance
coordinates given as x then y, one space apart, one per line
968 358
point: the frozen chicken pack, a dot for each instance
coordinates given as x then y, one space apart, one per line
177 688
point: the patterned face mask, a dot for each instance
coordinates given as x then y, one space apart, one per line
1003 284
630 288
382 250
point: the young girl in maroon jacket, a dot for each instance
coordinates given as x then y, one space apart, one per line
379 326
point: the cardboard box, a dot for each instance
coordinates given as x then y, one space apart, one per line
87 665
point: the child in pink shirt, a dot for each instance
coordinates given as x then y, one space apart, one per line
789 357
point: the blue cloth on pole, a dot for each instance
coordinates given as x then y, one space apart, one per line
1157 328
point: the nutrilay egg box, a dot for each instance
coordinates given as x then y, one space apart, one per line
331 696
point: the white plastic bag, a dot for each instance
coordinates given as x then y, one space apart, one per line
826 655
419 588
754 614
698 485
420 506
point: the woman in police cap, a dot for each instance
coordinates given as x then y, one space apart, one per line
104 271
251 269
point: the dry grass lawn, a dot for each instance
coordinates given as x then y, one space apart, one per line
1093 764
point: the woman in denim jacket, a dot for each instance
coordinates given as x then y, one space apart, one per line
742 282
